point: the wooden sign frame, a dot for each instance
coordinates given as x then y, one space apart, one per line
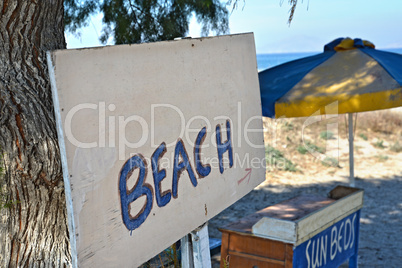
155 140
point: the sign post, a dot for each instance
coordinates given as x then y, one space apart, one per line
155 139
195 248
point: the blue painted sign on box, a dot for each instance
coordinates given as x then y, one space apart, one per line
331 247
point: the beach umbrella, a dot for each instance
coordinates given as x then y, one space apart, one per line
350 73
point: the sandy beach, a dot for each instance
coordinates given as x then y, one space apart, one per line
378 171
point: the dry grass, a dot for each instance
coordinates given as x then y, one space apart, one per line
301 140
386 121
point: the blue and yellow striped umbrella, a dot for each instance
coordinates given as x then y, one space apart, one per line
349 76
350 72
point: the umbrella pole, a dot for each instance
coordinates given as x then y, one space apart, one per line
351 162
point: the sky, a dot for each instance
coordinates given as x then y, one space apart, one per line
315 23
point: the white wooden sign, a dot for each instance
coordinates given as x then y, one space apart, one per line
155 140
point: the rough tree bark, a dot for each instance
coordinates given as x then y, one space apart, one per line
33 233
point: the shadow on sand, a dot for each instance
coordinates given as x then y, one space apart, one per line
381 216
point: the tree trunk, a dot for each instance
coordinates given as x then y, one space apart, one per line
33 232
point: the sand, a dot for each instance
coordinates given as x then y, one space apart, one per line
381 217
378 172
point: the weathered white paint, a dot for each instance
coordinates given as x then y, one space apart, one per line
195 252
187 259
283 230
63 156
118 102
299 231
351 151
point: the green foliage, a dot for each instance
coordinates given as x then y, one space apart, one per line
379 144
288 126
382 158
276 159
77 13
138 21
330 161
326 135
302 149
292 4
173 255
309 146
363 136
226 262
396 147
167 258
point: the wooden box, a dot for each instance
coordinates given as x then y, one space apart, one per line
305 231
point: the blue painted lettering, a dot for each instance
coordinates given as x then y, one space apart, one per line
202 170
223 147
161 198
140 189
180 166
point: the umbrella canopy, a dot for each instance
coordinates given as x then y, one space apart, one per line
350 72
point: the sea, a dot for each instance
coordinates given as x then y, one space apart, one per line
265 61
